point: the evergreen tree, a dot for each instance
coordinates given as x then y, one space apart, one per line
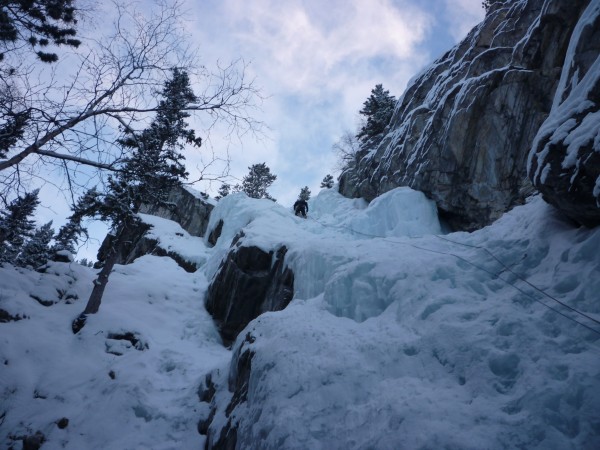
378 110
84 262
224 191
304 194
486 4
36 252
66 239
258 180
147 176
327 182
40 23
12 129
16 225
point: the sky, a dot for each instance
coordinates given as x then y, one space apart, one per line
315 63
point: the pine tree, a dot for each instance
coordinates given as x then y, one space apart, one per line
486 4
16 225
84 262
224 191
40 23
66 239
154 168
258 180
378 110
304 194
36 252
12 129
327 182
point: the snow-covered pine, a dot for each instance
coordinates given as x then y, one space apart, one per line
36 251
224 191
258 180
327 181
304 194
378 110
16 225
154 167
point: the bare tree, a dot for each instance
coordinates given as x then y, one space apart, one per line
346 149
56 120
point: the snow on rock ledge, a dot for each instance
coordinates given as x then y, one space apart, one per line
564 163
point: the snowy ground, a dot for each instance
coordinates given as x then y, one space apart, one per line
396 341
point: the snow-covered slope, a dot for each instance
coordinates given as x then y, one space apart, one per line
407 340
128 380
455 341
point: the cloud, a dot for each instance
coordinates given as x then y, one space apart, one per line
318 61
313 46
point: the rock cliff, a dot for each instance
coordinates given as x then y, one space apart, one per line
565 157
463 129
248 283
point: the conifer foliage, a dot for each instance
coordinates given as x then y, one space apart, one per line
16 225
40 23
378 110
304 194
153 169
327 181
224 191
258 180
36 252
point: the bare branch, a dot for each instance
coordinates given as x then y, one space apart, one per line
76 118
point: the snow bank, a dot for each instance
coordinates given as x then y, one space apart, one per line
116 394
438 341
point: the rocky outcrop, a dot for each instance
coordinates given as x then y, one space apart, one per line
565 157
237 384
249 282
188 210
130 250
463 129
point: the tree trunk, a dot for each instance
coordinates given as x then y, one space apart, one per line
101 281
93 304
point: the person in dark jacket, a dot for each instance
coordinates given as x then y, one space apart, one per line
301 208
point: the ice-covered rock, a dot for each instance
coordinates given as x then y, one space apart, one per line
468 340
249 282
462 131
565 157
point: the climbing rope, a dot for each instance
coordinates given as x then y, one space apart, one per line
493 274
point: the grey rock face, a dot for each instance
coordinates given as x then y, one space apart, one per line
237 383
248 283
565 157
189 211
463 129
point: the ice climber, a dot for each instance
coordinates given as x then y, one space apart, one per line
301 208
